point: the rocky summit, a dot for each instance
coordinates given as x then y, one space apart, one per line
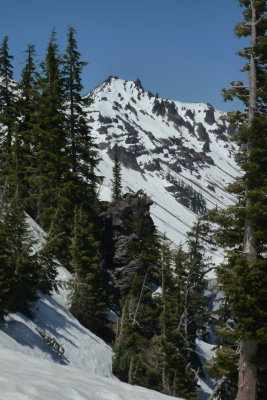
180 154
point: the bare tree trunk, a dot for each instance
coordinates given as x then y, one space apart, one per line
130 372
248 349
140 298
217 387
247 371
120 323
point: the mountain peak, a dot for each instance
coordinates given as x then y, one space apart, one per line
177 152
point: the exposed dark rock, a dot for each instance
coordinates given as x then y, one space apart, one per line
117 235
209 118
131 140
158 150
159 108
202 133
190 114
102 130
220 132
189 127
131 109
167 142
224 138
138 85
153 166
174 166
117 104
109 79
104 120
104 99
127 158
175 140
206 147
150 94
143 112
129 128
211 187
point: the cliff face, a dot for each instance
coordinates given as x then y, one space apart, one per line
118 233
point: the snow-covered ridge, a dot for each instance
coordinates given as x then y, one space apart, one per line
160 143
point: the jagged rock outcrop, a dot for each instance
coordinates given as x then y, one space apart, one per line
116 218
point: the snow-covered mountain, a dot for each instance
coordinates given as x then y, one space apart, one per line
174 151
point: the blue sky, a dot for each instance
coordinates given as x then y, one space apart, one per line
182 49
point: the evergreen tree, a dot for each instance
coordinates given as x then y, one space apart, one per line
116 182
144 247
25 270
52 147
24 148
197 266
133 360
83 150
8 109
80 180
243 227
88 300
172 350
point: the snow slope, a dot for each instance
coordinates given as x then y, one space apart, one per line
36 379
161 142
31 370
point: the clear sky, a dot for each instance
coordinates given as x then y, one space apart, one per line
182 49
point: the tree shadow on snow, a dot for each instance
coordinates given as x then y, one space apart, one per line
24 335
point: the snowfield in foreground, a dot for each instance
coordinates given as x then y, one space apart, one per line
31 370
29 378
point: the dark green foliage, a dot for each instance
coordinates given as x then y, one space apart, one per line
88 300
53 163
116 182
82 149
24 270
8 110
188 196
24 149
133 360
172 349
156 333
144 246
243 277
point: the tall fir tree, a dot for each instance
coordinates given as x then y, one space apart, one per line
8 108
24 270
172 350
52 147
116 182
82 148
88 299
25 143
243 227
